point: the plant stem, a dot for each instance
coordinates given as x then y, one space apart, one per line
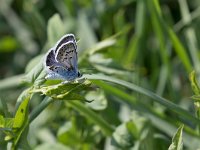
46 101
108 130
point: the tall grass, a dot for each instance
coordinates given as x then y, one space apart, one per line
135 92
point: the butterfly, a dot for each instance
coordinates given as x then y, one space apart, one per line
61 60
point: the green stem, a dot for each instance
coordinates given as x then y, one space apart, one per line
46 101
108 130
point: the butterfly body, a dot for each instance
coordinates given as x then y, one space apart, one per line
61 60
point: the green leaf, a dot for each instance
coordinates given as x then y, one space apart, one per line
33 62
11 82
64 128
158 28
6 123
21 116
180 49
136 41
68 134
97 98
14 127
189 34
64 91
4 108
55 29
194 83
147 138
36 75
177 142
136 125
196 97
102 45
122 137
85 28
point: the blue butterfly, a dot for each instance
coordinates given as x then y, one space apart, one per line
61 60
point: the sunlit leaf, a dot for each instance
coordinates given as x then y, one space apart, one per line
6 123
21 115
177 142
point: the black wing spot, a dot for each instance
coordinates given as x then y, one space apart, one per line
22 110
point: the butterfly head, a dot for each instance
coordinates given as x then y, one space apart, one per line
79 74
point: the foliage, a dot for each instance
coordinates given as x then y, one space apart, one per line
135 92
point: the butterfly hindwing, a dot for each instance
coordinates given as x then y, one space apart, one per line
59 72
50 58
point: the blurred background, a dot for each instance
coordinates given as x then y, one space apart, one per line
153 44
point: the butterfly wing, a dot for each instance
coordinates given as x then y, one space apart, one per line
61 60
50 58
67 56
55 69
66 38
57 72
